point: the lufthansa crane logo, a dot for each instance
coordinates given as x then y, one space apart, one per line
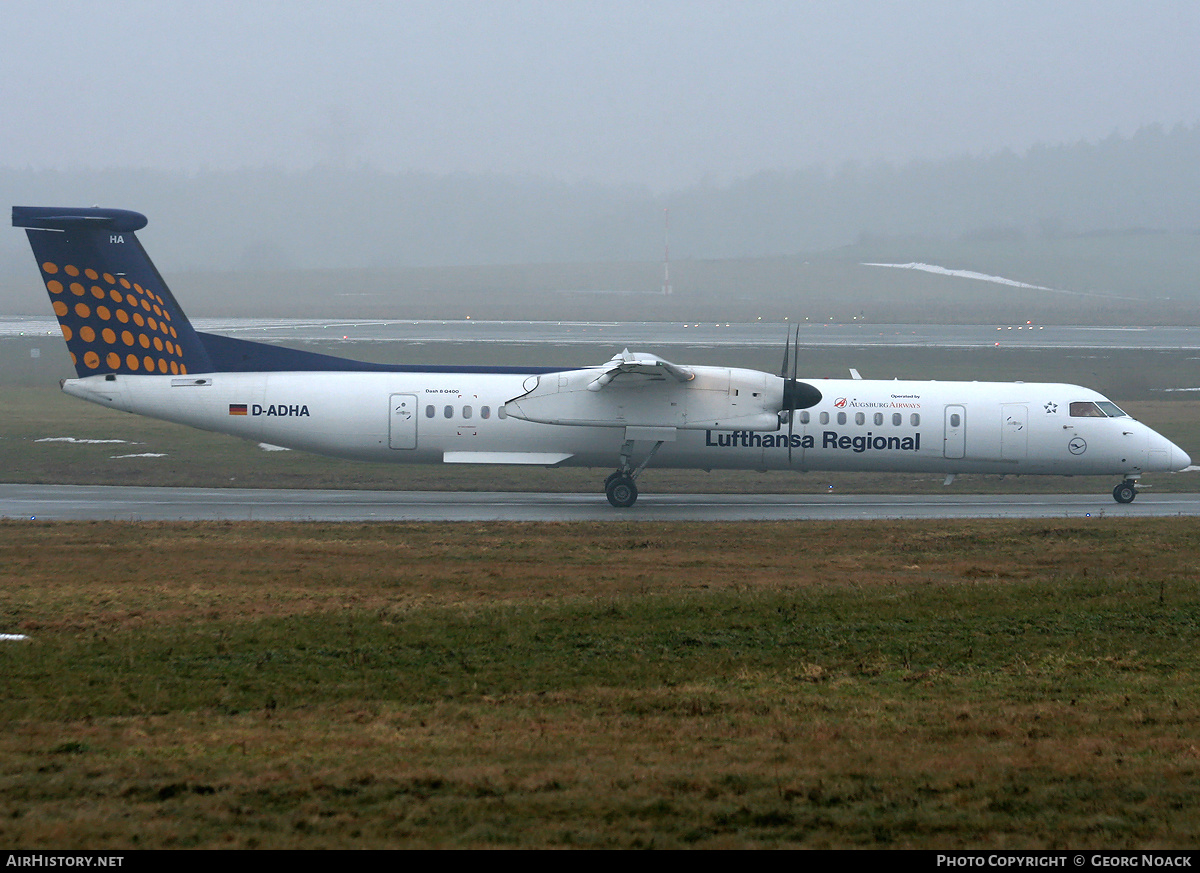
1077 446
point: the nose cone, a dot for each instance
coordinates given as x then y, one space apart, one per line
1165 456
1180 460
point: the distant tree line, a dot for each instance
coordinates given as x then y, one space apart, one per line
266 218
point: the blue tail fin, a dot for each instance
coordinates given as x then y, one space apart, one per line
115 310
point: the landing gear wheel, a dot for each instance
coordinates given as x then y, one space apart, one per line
613 476
1124 493
621 491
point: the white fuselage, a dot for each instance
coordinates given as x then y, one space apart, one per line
437 417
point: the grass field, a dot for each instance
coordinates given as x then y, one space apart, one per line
974 684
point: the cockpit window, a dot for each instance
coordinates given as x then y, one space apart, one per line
1111 409
1086 409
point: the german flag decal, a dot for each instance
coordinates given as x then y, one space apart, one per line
237 408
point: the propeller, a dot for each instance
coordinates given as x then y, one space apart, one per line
796 394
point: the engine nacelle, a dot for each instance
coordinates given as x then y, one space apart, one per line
716 398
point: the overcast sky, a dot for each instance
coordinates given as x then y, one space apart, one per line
662 94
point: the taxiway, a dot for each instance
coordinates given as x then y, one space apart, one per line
118 503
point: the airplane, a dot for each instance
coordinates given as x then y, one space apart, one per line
134 349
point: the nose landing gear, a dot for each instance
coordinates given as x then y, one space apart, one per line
1126 491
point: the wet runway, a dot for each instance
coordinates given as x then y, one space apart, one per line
665 334
115 503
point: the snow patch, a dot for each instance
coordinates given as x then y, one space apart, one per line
962 274
10 638
267 447
142 455
78 441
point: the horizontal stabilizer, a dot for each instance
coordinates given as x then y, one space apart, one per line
58 218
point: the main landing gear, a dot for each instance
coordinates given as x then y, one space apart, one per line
619 487
1126 491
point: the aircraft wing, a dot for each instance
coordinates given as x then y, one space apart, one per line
634 367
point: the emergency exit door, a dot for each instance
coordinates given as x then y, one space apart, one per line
402 424
955 445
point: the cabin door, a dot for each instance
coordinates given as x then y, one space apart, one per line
955 445
402 425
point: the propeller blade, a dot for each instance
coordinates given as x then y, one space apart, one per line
792 409
796 354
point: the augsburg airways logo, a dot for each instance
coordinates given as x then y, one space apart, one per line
897 401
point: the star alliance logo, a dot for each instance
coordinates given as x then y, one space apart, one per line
1051 407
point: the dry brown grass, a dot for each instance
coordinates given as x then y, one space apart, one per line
976 684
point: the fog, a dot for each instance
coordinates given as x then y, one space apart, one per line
298 135
661 94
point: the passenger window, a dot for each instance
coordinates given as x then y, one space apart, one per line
897 419
955 419
485 412
430 412
449 412
1086 409
466 412
915 419
501 412
860 418
824 418
841 418
878 418
804 417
